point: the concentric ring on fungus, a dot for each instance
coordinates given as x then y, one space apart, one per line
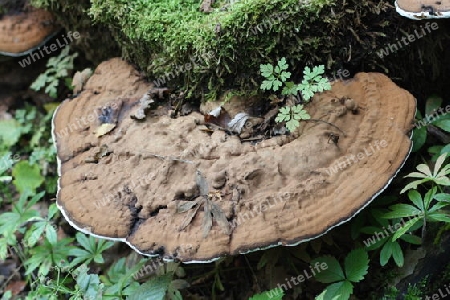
149 183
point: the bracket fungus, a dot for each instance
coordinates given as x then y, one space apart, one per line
423 9
22 32
170 189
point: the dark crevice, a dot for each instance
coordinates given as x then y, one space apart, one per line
156 211
134 210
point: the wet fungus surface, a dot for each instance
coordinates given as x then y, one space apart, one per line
169 188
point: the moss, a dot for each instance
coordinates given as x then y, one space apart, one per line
227 46
96 40
224 43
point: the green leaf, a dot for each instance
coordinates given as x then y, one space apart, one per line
333 272
397 254
442 197
266 85
10 132
401 211
337 291
266 70
419 137
26 176
292 124
154 289
416 198
412 239
285 76
282 64
407 226
276 84
273 294
290 88
386 253
356 265
438 217
443 124
89 284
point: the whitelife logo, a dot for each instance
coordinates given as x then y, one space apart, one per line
299 279
411 38
348 160
38 54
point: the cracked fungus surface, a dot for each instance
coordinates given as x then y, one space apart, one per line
138 181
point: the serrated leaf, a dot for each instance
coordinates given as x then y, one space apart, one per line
356 265
285 76
266 70
333 272
283 64
266 85
292 124
276 84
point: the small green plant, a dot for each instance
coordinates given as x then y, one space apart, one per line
356 264
14 221
92 250
390 248
438 176
423 209
291 115
57 68
436 116
313 82
275 76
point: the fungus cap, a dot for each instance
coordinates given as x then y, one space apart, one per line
21 33
166 187
423 9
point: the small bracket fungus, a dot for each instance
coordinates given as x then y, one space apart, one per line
170 189
423 9
21 33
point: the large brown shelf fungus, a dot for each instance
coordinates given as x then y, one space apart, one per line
168 188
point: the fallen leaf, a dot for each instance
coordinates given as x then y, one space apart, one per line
218 116
238 122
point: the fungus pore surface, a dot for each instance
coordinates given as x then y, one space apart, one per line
164 185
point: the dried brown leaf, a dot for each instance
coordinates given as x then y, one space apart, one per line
189 217
186 205
202 184
207 218
220 218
